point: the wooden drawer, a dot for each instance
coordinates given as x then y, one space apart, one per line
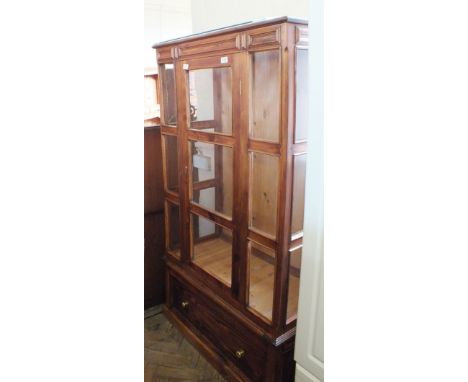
154 263
183 301
233 341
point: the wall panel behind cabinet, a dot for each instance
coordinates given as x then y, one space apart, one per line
154 264
154 190
154 219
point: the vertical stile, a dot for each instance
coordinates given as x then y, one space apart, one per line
241 163
182 115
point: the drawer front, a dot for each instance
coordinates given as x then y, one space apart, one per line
183 301
234 341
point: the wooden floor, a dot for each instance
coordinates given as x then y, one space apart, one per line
169 357
214 256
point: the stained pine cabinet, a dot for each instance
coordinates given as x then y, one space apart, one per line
234 138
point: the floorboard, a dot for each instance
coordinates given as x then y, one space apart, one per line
169 357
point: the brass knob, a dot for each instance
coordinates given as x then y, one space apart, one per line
185 304
240 353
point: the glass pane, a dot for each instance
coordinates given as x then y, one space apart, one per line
171 163
297 219
212 248
265 90
302 96
174 229
169 105
212 170
263 192
211 100
261 279
293 281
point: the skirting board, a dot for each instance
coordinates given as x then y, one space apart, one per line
302 375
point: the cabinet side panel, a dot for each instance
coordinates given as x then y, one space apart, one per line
288 37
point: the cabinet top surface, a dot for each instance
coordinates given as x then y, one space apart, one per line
231 28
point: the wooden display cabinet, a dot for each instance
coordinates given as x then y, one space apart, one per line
234 124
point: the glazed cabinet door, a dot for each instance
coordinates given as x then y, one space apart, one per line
170 159
211 95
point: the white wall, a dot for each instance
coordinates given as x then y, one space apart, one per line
309 351
209 14
164 19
